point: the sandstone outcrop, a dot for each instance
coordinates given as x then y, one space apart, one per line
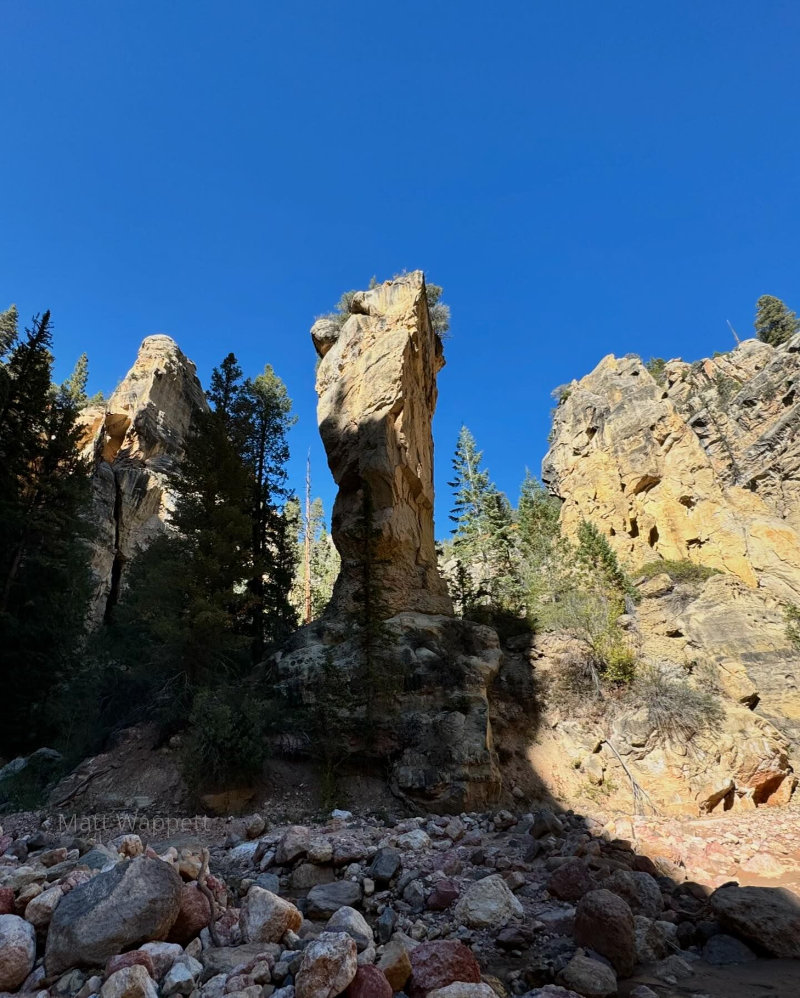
136 441
377 392
376 384
700 464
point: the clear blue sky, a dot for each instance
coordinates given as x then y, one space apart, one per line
582 177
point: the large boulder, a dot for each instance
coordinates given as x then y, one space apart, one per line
135 902
488 903
767 917
438 963
604 923
266 917
329 965
17 951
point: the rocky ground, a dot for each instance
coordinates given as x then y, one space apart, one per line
539 904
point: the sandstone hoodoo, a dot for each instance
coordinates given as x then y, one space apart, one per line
414 679
377 392
136 441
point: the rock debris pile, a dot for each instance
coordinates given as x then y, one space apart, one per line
469 906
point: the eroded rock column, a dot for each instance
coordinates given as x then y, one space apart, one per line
376 385
136 441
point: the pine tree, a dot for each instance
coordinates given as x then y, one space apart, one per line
323 559
471 490
44 559
485 541
75 385
775 323
262 417
8 330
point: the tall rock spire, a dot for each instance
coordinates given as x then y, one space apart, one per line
136 441
376 385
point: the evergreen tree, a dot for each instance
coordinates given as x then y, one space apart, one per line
44 559
471 491
262 417
8 330
775 323
75 385
597 557
323 559
485 539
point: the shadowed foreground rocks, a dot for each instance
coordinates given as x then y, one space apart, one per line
468 906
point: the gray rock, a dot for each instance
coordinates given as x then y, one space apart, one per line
385 925
181 977
640 891
354 924
385 865
589 977
723 950
134 903
766 916
325 899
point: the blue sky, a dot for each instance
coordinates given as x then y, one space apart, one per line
582 178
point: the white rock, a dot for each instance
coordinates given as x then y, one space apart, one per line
488 903
354 924
414 840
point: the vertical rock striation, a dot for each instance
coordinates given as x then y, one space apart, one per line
703 464
136 441
376 385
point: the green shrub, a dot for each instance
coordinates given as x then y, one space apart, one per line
227 738
792 617
27 789
655 367
679 571
676 710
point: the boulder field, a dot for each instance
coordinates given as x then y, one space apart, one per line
458 906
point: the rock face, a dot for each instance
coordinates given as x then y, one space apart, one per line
438 733
376 385
700 465
136 440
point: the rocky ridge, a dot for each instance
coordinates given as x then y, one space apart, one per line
135 441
